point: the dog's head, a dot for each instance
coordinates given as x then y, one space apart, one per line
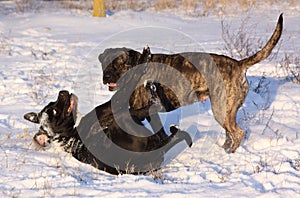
117 61
57 118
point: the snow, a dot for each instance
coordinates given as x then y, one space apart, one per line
44 52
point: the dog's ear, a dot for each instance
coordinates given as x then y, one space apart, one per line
145 56
73 104
32 117
146 51
100 58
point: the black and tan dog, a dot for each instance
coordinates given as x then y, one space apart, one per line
218 77
99 140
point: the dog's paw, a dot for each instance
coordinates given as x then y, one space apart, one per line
183 135
232 148
149 85
146 83
229 146
174 128
233 142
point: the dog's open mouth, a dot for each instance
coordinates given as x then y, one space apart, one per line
41 140
112 86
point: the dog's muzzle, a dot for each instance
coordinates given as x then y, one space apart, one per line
112 86
41 139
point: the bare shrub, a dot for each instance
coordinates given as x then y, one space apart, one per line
240 43
42 85
262 87
26 5
289 67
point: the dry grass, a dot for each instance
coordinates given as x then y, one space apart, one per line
190 7
75 4
24 5
165 4
193 7
5 44
171 4
189 4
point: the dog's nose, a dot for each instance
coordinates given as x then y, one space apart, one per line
107 78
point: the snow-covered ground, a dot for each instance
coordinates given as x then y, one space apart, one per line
46 51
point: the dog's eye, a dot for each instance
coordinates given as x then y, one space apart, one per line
54 112
119 61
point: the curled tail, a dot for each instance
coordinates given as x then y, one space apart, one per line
267 49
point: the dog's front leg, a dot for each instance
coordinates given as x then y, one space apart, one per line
156 125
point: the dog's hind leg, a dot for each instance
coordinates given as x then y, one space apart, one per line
234 134
156 125
225 115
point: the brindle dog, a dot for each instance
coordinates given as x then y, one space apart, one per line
218 77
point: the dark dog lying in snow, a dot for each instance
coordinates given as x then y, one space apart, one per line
99 140
220 78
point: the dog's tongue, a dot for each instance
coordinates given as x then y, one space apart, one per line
71 106
112 86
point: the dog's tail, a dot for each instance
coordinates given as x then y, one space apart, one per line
267 49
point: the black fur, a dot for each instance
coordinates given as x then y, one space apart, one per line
99 139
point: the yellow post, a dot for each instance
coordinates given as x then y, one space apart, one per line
99 8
